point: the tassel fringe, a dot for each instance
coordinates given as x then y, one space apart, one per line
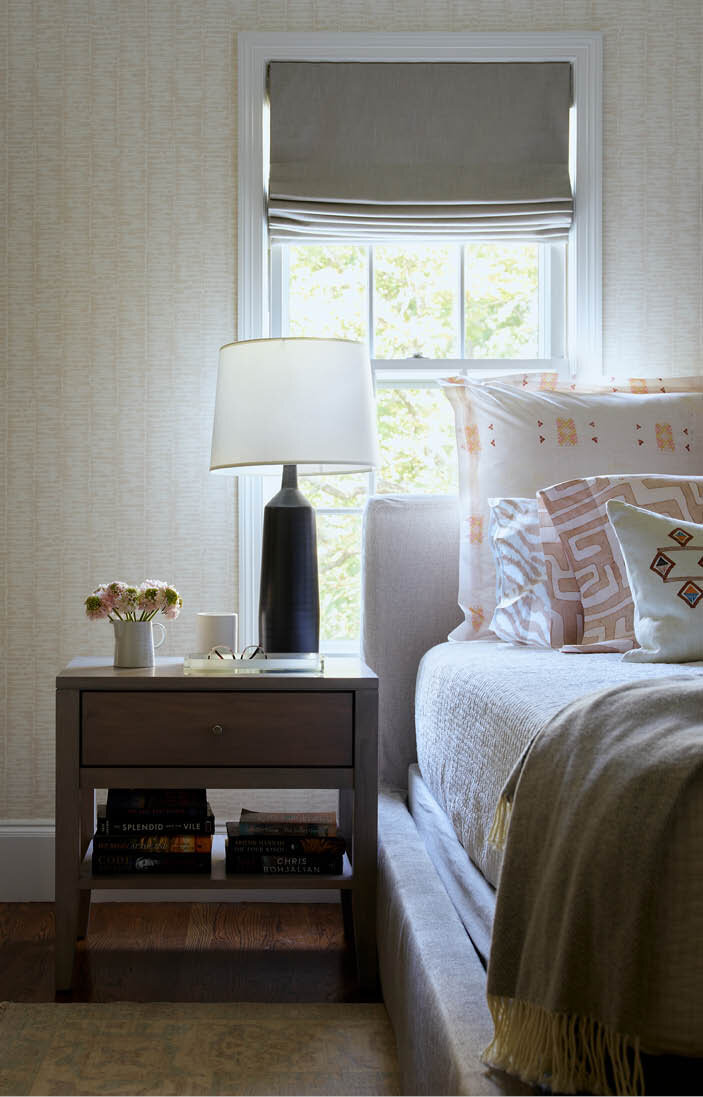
565 1052
498 834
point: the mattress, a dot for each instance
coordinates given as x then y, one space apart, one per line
479 704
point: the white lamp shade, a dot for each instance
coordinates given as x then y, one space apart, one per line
304 402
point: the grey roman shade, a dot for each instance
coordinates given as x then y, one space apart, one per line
369 151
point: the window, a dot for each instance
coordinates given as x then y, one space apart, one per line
425 308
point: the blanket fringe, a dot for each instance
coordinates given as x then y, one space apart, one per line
565 1052
498 834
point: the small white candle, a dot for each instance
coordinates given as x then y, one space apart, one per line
217 630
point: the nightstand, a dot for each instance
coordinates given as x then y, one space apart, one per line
158 728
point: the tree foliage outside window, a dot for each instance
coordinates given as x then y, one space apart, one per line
410 293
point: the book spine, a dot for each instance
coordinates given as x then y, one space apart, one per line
156 802
108 864
164 843
168 811
271 864
310 830
284 845
134 827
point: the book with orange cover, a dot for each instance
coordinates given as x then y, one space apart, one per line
154 843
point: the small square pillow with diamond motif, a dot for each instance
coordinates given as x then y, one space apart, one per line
664 562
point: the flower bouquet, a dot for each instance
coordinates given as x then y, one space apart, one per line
121 602
131 611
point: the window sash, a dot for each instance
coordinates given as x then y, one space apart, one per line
551 307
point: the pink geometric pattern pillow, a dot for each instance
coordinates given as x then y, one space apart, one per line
563 594
512 439
578 511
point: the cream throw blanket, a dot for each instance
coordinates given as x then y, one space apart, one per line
588 807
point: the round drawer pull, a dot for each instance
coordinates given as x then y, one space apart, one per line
217 729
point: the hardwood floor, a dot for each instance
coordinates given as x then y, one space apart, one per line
214 952
184 952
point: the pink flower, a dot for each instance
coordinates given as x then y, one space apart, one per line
95 608
110 593
172 609
126 601
151 598
101 592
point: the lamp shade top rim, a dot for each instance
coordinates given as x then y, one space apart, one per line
291 339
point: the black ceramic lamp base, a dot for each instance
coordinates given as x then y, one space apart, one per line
289 598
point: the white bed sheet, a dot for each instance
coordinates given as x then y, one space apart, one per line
478 705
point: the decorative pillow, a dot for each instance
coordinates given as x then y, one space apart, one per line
566 611
511 440
522 614
664 561
578 512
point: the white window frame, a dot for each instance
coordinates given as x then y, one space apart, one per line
583 49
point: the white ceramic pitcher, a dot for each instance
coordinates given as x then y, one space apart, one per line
134 643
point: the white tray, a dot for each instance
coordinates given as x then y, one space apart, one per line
202 663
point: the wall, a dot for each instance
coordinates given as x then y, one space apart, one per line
120 285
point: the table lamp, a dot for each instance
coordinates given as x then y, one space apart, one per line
306 405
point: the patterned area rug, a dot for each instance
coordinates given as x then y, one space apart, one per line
169 1048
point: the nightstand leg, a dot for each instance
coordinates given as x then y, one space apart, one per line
365 837
87 832
67 833
345 813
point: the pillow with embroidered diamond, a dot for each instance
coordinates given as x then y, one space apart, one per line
664 562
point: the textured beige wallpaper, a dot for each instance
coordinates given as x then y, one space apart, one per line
119 286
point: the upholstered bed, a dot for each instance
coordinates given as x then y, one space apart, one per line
454 718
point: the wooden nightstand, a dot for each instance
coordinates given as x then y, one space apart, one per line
158 728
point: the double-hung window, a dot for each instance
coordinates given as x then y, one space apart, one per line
436 281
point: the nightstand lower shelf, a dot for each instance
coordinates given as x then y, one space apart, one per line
217 878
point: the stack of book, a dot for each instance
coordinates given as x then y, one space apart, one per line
282 842
152 831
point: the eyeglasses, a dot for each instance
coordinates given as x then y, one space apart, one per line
251 652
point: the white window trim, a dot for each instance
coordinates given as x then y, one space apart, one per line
583 49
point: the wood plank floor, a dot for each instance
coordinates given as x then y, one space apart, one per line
184 952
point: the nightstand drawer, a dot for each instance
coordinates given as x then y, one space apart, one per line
205 729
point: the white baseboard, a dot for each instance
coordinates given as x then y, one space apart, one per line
27 875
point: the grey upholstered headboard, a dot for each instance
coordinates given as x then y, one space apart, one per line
410 576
